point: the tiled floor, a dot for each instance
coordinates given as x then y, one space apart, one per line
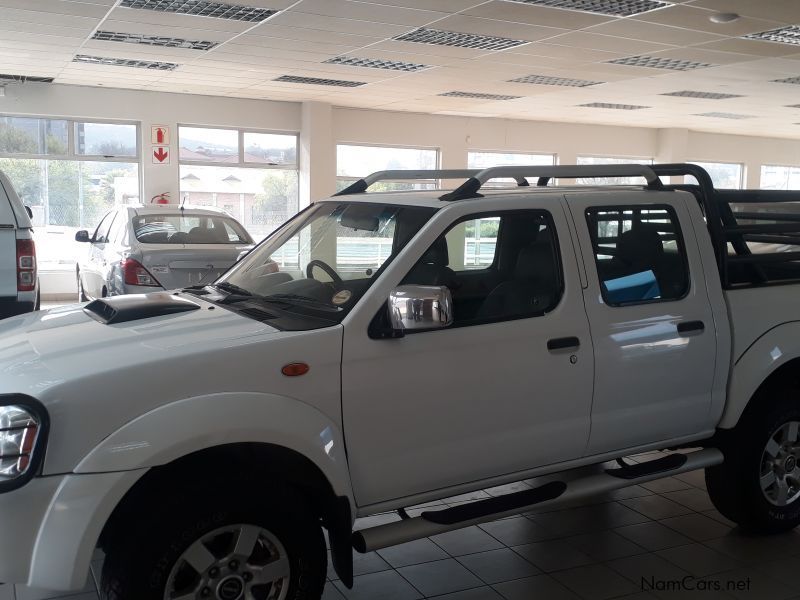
658 540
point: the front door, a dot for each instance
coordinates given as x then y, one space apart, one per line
485 397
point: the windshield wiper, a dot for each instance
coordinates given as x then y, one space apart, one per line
232 288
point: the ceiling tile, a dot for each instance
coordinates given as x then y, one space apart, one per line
752 47
607 43
654 32
786 11
506 29
373 13
691 17
322 23
537 15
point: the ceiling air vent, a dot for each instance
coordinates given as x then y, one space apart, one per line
24 78
792 80
153 40
376 63
656 62
614 8
318 81
123 62
614 106
704 95
479 96
460 40
203 8
783 35
787 106
724 115
547 80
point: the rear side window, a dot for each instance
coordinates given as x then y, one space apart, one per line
188 229
639 253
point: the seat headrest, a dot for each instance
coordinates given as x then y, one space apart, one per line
640 246
437 254
535 262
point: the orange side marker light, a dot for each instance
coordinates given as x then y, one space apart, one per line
295 369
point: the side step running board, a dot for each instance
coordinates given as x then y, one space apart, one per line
553 493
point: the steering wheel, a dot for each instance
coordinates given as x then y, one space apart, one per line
325 267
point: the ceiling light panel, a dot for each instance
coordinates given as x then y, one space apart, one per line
547 80
24 78
657 62
479 96
439 37
724 115
377 63
704 95
154 40
614 8
203 8
614 106
122 62
783 35
319 81
791 80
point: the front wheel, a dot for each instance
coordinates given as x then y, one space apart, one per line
758 485
220 550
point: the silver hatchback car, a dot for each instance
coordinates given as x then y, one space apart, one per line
140 249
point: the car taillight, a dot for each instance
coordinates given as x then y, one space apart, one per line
26 266
133 273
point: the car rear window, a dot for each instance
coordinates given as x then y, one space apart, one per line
189 229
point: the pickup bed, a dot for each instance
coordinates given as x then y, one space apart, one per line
380 351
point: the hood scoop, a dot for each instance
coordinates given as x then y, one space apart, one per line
133 307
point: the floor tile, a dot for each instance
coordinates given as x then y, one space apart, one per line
717 516
387 585
785 570
553 555
23 592
497 566
668 484
643 569
481 593
589 518
695 478
605 545
692 498
331 593
757 585
466 541
595 582
371 562
699 560
516 531
697 526
412 553
755 549
440 577
653 536
656 506
541 586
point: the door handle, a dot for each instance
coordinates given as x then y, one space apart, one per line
562 343
690 326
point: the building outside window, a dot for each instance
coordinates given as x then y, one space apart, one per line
251 175
70 173
478 159
611 160
776 177
354 162
723 175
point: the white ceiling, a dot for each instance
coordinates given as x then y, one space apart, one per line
41 37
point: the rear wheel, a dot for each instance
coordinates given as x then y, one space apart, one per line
758 485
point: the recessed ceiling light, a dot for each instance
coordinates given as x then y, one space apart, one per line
153 40
376 63
614 8
547 80
479 96
203 8
791 80
123 62
439 37
24 78
783 35
657 62
727 17
704 95
724 115
319 81
614 106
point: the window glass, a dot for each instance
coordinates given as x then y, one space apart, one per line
639 254
520 276
209 145
22 135
101 233
608 160
774 177
105 139
188 228
355 162
484 160
270 149
476 241
723 175
117 231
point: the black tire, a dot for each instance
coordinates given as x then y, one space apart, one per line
734 486
141 558
81 293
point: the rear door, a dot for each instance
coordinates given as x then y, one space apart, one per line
8 246
651 319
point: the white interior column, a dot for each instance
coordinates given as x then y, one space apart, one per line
159 178
672 146
317 153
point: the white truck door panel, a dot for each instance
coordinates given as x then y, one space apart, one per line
452 406
652 381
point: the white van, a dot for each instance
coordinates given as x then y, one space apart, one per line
19 284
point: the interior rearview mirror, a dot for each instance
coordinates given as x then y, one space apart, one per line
82 236
420 307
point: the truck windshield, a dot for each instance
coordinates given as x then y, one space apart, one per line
327 256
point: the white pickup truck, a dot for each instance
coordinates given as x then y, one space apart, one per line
385 350
19 285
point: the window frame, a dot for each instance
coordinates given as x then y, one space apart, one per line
742 170
489 185
351 178
241 163
679 237
780 166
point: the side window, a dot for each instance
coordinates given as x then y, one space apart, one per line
101 233
115 234
498 267
639 253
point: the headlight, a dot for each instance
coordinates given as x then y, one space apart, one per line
23 426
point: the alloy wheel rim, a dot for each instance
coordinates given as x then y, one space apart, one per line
235 562
779 476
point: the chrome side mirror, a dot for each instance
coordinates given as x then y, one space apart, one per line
420 307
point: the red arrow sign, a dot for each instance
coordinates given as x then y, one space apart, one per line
161 154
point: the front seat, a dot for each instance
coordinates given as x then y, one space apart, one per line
533 288
432 268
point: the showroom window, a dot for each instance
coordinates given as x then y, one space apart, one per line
70 173
251 175
777 177
723 175
611 160
478 159
354 162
